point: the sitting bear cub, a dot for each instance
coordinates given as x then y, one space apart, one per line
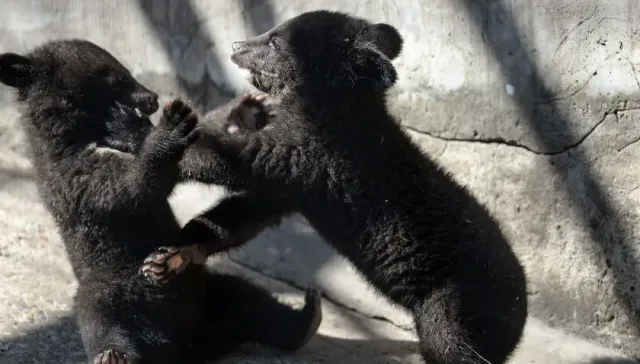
104 173
333 152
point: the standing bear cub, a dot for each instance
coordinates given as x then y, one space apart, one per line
104 172
333 152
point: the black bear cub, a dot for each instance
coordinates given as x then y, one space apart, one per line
104 173
334 153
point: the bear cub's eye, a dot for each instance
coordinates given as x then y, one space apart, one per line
115 80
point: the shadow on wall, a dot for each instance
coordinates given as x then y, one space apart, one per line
588 197
260 15
178 28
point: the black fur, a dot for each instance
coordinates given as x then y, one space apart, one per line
111 209
335 154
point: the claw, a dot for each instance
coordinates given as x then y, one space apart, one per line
164 264
111 357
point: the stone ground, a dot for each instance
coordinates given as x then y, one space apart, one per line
358 327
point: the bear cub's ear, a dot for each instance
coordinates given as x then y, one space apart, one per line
372 62
15 70
374 68
387 39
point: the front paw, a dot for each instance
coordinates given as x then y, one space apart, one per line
167 262
178 126
252 112
164 264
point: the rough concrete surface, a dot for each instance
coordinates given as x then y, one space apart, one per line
532 104
37 285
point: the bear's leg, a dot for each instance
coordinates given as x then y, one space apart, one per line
446 336
241 312
231 223
104 341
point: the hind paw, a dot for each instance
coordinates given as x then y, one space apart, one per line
111 357
164 264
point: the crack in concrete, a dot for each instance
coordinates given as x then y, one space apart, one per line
581 87
496 140
629 144
596 27
334 301
580 23
633 68
516 144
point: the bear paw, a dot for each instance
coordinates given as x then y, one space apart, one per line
179 122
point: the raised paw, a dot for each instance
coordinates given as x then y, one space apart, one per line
111 357
252 112
164 264
180 121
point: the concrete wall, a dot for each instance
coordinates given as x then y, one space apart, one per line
532 104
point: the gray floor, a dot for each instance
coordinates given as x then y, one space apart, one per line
358 326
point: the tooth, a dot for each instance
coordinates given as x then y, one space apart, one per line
138 112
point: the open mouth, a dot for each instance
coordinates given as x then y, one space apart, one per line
250 73
262 80
132 111
246 73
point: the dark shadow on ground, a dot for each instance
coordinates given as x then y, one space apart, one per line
548 119
16 172
59 342
11 177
